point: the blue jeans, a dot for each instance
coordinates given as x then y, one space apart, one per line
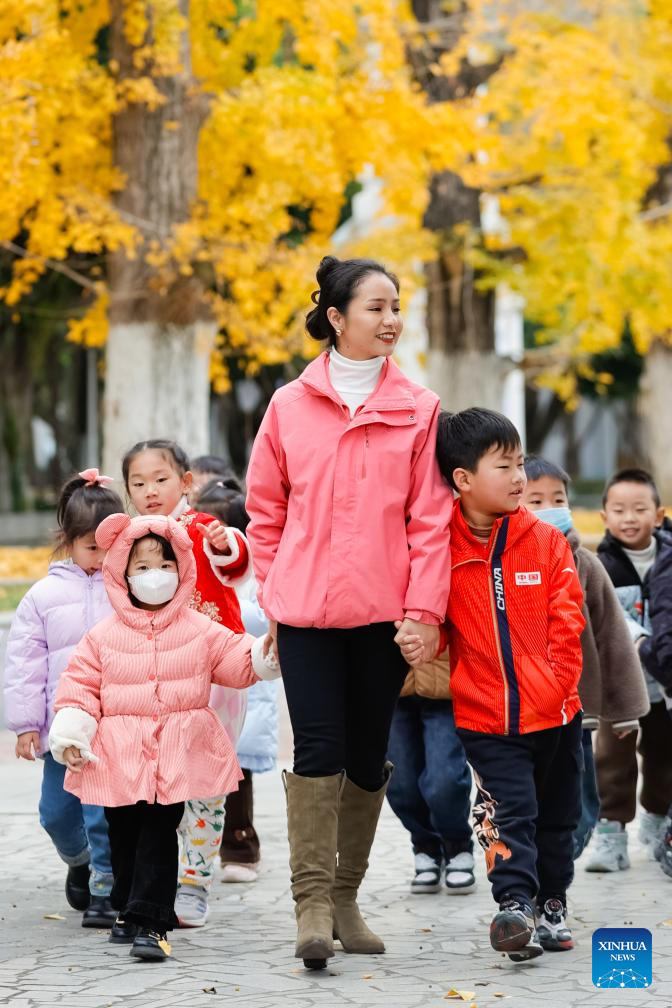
431 784
78 832
590 799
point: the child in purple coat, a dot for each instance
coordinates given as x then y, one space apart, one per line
50 621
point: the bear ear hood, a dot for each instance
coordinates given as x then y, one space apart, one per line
117 533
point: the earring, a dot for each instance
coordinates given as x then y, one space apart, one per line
338 332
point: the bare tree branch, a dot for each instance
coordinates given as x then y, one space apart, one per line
54 264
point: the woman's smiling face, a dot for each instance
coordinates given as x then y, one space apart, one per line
371 324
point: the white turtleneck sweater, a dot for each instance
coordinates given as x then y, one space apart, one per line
354 380
642 559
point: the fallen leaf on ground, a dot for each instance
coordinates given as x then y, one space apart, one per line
499 994
368 976
666 923
209 990
426 930
464 995
53 917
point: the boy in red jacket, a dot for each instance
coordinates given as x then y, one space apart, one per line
514 623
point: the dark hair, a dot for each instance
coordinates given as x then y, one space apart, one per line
632 476
212 464
167 551
536 467
81 509
176 456
338 280
224 499
463 439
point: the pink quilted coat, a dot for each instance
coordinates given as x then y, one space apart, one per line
145 677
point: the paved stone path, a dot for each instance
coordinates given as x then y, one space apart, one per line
244 954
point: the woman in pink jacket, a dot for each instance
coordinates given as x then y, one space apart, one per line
132 721
349 538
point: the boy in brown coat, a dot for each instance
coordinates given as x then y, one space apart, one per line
612 687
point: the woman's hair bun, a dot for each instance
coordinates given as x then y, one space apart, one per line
327 265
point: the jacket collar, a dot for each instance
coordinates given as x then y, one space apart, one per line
465 546
573 539
393 392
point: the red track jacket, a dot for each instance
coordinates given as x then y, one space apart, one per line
514 623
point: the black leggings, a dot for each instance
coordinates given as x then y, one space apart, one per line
341 688
143 842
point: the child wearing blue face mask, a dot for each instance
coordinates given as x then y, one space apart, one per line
612 687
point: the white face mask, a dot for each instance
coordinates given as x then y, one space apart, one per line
154 586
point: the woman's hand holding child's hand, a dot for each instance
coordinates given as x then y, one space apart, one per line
27 745
73 759
412 649
419 642
217 536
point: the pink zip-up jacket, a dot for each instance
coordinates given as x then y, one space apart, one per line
144 677
349 515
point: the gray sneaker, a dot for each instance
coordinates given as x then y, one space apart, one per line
191 906
608 850
552 929
513 931
651 832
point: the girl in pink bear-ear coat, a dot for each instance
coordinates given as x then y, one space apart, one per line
133 722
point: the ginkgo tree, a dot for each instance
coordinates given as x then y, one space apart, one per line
203 149
572 134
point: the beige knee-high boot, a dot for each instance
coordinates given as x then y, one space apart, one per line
358 818
312 827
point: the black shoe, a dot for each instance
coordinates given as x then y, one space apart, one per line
150 945
99 913
77 887
512 926
427 877
123 932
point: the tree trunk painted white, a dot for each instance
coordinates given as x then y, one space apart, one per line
656 408
464 378
161 332
156 385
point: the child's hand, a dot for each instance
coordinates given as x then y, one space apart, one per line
412 649
271 639
217 536
73 759
27 745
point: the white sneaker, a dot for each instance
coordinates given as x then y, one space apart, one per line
232 872
427 877
460 873
651 832
608 850
191 906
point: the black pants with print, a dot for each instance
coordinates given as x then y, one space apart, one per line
144 847
528 806
341 687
